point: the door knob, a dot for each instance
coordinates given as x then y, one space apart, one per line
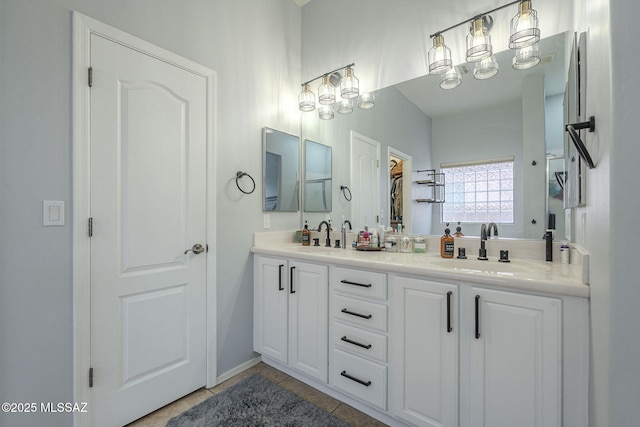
196 249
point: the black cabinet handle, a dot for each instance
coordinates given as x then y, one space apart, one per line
346 282
291 284
364 316
449 328
364 383
345 339
477 316
280 288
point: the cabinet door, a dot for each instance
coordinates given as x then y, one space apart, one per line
309 319
271 291
515 359
423 369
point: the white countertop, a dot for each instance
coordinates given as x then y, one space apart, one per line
536 276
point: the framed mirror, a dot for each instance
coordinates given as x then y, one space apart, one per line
317 177
281 171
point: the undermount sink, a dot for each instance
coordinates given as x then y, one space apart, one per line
491 266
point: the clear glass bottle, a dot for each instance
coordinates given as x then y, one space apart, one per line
419 245
406 244
391 243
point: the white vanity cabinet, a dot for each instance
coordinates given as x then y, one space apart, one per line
493 362
515 357
291 314
424 341
358 334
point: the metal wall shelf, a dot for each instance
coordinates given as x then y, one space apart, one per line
434 184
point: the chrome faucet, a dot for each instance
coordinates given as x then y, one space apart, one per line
344 232
328 241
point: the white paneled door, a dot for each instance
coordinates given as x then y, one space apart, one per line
365 181
148 142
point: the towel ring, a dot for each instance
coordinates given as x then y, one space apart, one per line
239 175
344 193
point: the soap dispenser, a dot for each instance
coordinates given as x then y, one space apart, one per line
446 244
306 235
458 232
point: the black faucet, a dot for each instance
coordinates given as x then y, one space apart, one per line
548 238
346 221
482 252
328 241
495 229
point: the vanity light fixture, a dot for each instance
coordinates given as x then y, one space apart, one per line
524 36
479 40
327 96
526 57
524 27
306 99
367 100
439 56
451 79
326 92
349 86
344 106
325 112
486 68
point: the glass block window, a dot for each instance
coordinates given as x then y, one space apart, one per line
479 192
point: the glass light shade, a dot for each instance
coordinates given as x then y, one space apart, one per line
478 42
524 27
451 79
344 106
349 86
486 68
326 92
306 99
325 112
439 56
526 57
367 100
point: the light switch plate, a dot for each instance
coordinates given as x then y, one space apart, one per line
266 219
52 213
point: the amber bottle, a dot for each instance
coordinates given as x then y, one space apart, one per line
306 235
446 244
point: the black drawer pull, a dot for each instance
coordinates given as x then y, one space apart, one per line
449 328
291 290
345 339
346 282
364 383
280 288
364 316
477 317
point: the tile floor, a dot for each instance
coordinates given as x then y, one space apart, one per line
341 410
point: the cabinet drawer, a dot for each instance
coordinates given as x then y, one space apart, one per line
360 282
359 377
357 312
359 341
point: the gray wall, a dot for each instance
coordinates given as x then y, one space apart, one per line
253 45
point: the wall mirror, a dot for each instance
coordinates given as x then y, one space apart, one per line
281 171
477 120
317 177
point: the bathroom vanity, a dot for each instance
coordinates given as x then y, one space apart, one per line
414 339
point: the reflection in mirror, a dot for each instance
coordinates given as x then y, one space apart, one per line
280 171
499 117
317 177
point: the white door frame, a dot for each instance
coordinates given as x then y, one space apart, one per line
83 28
406 187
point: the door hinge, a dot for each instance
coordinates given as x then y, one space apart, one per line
377 163
90 79
90 227
207 246
90 377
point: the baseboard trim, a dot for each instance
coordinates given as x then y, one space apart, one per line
240 368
